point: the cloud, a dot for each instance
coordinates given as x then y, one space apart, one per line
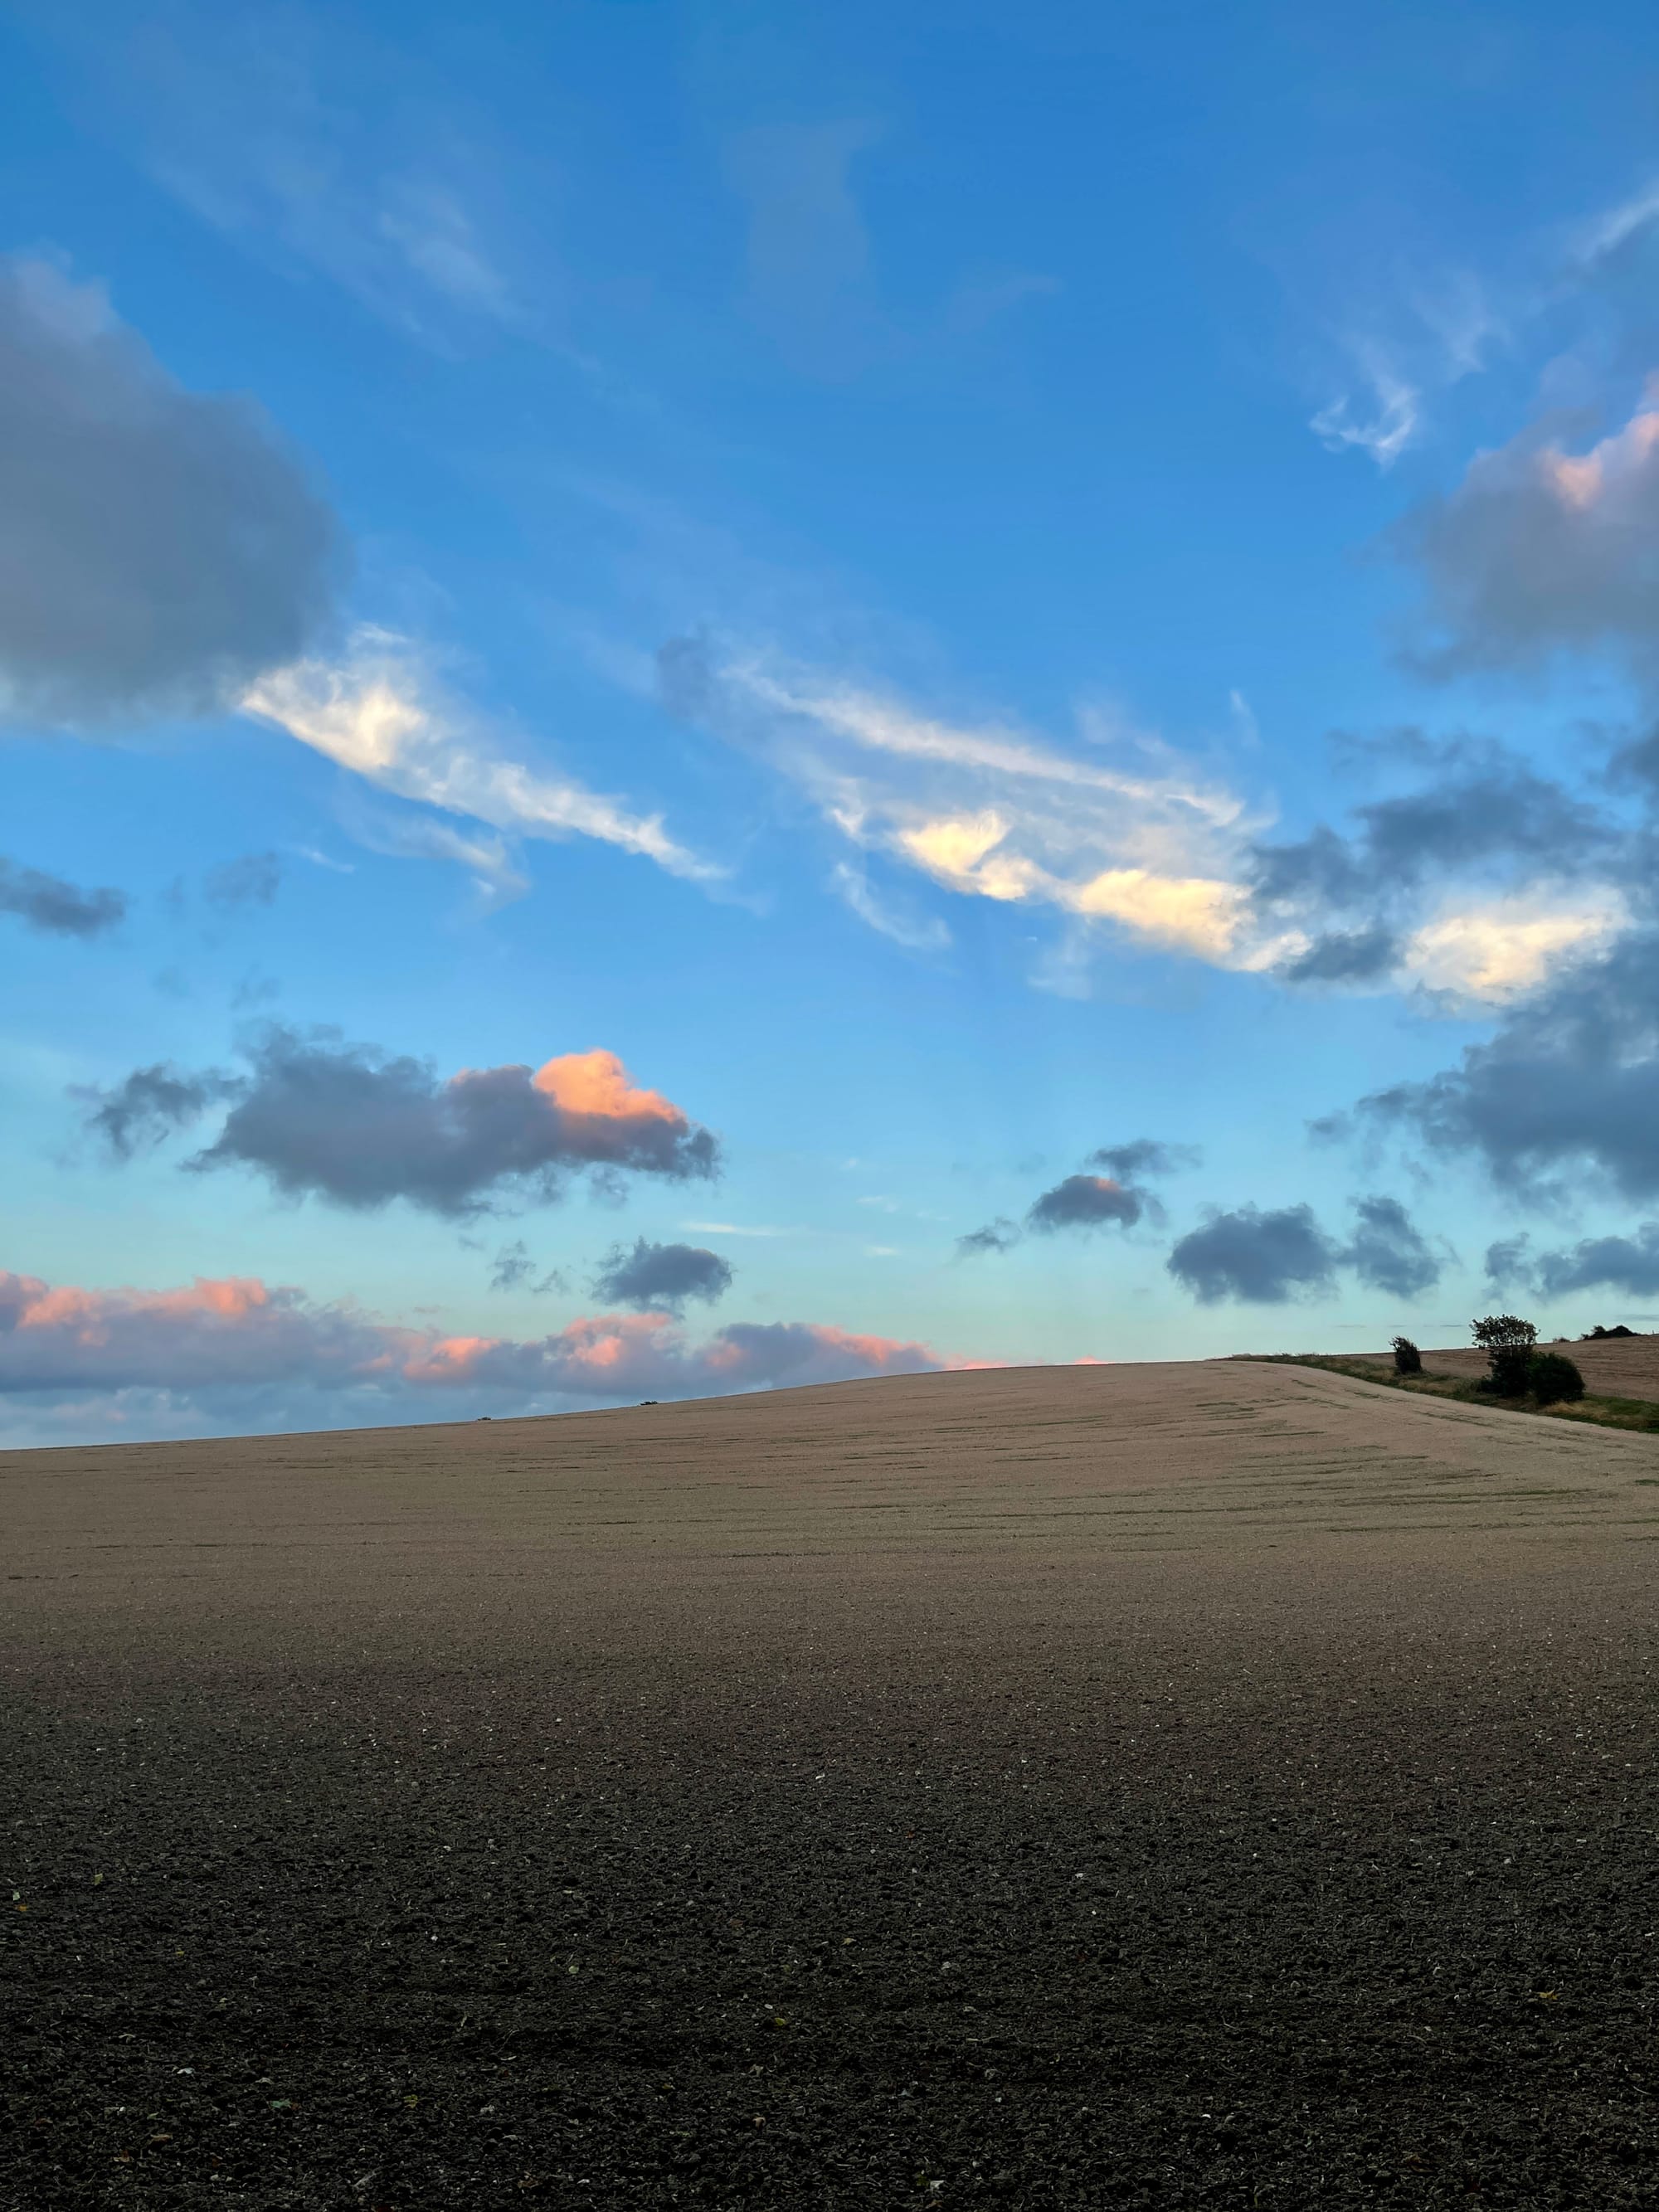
329 155
1567 1085
1255 1257
1539 551
1116 1199
160 549
915 934
1351 955
1390 427
1480 885
1622 1263
381 713
252 880
55 907
355 1126
218 1354
1140 844
1086 1202
514 1268
1504 947
662 1277
150 1105
1388 1253
1143 1156
999 1236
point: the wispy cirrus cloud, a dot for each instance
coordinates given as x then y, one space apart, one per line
381 712
1125 835
323 151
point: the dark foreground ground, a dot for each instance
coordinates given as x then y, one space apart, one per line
1229 1872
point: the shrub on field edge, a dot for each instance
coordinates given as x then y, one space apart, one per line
1554 1379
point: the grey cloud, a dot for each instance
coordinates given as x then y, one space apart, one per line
150 1105
1493 810
55 907
1353 955
252 880
999 1236
1620 1263
1508 1261
1515 569
159 548
1143 1156
662 1277
1085 1201
1388 1253
513 1269
1255 1257
1090 1202
359 1127
1568 1083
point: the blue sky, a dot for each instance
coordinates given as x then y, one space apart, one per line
1040 620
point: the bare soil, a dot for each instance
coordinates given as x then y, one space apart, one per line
1220 1785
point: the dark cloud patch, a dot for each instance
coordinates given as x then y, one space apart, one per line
1117 1199
1493 812
150 1105
662 1277
1618 1263
1536 553
1345 956
55 907
1388 1253
1509 1261
252 880
159 548
360 1127
1087 1201
999 1236
1567 1085
1143 1156
513 1269
1255 1257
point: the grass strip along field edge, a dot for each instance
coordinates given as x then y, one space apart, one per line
1639 1413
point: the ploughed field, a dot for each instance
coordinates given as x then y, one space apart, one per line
1219 1784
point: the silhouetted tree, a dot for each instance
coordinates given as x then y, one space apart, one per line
1508 1342
1407 1359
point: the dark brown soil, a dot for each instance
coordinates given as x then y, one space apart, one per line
1249 1875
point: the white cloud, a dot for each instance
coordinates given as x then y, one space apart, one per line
1385 432
1126 834
379 714
916 934
1505 947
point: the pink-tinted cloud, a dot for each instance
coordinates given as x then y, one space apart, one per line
238 1343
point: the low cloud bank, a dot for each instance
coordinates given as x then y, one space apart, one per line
221 1355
